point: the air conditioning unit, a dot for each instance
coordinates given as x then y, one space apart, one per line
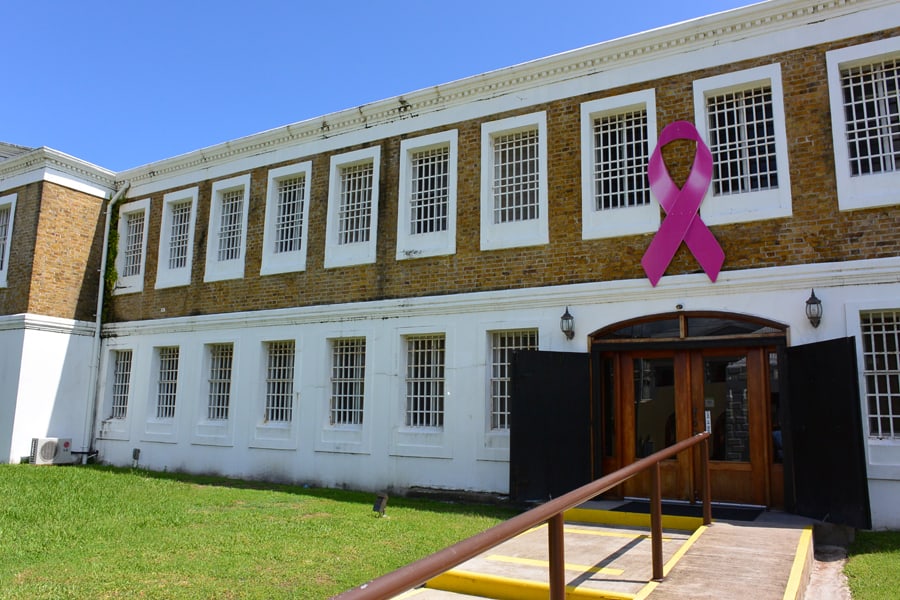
51 451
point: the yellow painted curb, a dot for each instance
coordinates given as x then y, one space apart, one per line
506 588
800 569
614 517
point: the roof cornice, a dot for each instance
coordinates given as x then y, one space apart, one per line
43 164
735 25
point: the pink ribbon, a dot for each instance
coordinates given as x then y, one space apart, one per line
682 223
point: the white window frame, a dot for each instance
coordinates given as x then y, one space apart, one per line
504 380
531 232
359 253
869 190
295 260
132 283
437 243
7 202
217 270
281 434
163 428
615 222
167 277
754 205
215 431
115 424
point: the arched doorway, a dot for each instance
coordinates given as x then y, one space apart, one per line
660 379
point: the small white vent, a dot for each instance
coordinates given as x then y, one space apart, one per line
51 451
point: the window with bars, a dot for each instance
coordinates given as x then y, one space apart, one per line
121 384
291 196
167 383
620 144
221 357
179 234
741 130
425 381
279 382
348 375
871 98
355 212
503 345
5 213
429 190
231 225
881 358
133 247
517 175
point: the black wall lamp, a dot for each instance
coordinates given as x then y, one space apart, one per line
814 309
567 324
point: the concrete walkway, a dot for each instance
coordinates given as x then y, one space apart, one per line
608 555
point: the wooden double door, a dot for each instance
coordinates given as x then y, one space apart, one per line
651 399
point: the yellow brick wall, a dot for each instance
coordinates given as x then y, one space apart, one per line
817 231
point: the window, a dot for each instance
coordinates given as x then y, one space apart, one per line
176 238
227 235
425 381
864 87
514 182
279 382
503 345
741 117
881 358
348 376
132 246
7 212
167 383
426 216
121 385
353 208
618 135
221 357
287 212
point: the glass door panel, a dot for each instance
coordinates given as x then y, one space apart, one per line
726 408
654 405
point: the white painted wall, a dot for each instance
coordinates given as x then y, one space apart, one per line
463 456
45 370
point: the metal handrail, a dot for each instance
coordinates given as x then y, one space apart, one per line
551 512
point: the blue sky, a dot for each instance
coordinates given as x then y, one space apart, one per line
124 83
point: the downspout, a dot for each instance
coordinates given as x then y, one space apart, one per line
87 442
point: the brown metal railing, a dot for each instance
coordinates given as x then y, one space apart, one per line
551 512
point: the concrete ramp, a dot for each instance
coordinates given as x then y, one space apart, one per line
608 556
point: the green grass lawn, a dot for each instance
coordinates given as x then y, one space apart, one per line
94 532
873 568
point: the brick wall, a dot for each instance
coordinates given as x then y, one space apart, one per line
55 253
817 231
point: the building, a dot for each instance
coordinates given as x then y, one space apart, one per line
369 299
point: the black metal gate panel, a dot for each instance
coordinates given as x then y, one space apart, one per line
824 447
550 425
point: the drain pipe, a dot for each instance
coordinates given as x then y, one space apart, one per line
87 442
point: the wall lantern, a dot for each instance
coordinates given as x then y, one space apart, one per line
814 309
567 324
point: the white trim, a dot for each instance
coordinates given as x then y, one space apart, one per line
620 221
215 432
359 253
347 439
438 243
7 201
156 429
132 283
285 262
754 205
863 191
47 164
166 277
513 234
48 324
217 270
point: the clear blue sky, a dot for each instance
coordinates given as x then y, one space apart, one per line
127 82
